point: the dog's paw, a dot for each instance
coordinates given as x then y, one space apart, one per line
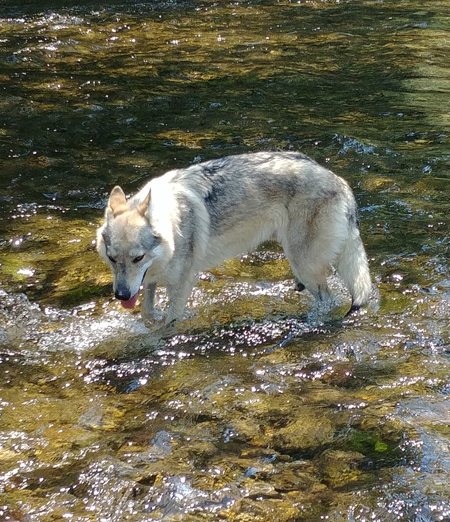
153 314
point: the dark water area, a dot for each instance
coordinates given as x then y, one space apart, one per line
257 407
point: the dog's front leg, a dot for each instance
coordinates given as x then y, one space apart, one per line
178 295
148 306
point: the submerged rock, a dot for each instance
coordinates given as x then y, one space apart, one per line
340 468
307 433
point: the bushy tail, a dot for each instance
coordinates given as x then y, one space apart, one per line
353 267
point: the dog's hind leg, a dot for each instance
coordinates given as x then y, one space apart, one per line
353 267
298 285
309 260
313 274
315 282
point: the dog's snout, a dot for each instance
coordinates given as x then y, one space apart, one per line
123 294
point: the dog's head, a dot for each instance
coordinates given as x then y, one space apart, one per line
126 241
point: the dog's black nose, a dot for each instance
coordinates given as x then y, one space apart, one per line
123 294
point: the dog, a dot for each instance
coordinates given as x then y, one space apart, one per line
192 219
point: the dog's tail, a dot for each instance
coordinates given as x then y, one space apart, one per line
353 266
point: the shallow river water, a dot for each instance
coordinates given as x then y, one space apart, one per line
259 406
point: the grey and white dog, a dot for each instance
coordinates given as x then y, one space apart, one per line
191 219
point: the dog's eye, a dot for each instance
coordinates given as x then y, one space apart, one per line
112 260
138 258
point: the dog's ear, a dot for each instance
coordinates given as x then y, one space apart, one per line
117 201
143 207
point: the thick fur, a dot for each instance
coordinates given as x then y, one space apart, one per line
192 219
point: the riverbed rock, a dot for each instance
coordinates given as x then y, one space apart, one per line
340 468
305 434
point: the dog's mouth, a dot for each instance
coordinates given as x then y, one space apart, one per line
130 303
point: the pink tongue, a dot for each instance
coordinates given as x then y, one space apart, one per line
131 303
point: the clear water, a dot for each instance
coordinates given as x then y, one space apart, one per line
258 407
